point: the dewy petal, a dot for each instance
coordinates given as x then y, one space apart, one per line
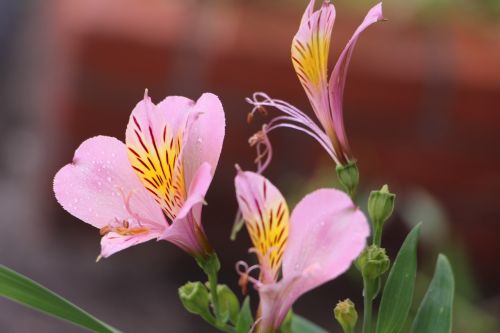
205 137
100 188
197 190
266 217
155 139
339 74
186 230
327 232
113 242
310 48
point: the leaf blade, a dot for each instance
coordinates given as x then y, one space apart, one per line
245 318
27 292
398 291
434 314
303 325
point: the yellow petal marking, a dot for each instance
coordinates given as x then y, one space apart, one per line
268 231
159 167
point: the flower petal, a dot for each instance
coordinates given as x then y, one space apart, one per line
266 217
95 186
205 137
339 74
327 232
197 191
100 188
155 139
310 48
113 242
186 230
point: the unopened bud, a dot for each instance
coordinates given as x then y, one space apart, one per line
348 175
346 315
228 302
194 297
373 262
380 206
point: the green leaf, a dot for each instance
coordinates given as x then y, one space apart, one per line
302 325
398 291
286 325
27 292
435 312
245 318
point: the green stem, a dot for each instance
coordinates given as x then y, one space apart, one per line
211 266
377 236
368 300
212 281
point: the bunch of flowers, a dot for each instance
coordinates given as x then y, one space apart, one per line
153 185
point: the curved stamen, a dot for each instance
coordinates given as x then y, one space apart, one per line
245 276
293 118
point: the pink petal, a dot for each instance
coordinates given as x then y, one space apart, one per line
100 188
188 235
327 232
186 230
266 217
155 138
94 185
113 242
197 191
206 134
310 49
339 74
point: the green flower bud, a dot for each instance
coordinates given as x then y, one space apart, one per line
229 305
373 262
194 297
346 315
381 205
348 176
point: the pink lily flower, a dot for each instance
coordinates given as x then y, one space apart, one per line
310 50
152 186
324 234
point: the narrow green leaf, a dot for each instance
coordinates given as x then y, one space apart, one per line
435 312
245 318
302 325
398 291
27 292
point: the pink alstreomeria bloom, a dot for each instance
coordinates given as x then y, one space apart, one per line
152 186
310 50
324 234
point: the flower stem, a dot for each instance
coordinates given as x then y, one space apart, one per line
377 237
211 265
212 281
367 300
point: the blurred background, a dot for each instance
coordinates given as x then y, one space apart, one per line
421 110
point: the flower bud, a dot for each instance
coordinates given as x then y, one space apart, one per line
373 262
228 303
194 297
348 176
346 315
380 206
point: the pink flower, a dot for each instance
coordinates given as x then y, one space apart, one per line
310 50
324 234
153 186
